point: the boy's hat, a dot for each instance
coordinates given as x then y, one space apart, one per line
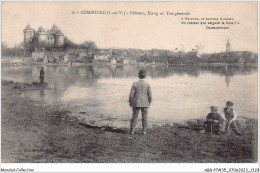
214 108
142 72
230 103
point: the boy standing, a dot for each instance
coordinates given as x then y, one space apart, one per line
140 98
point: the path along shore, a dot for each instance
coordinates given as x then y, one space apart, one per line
33 132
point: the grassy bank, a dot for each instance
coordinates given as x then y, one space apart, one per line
36 132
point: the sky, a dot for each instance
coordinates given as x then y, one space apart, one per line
137 31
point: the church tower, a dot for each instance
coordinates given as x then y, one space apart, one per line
228 48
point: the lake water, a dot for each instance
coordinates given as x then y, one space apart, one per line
99 94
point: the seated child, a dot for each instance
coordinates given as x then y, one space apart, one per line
229 116
213 121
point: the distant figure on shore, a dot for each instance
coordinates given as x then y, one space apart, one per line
213 121
42 75
229 118
140 98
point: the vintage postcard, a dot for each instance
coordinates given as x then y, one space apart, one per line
129 82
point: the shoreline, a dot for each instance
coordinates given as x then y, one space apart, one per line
36 132
21 63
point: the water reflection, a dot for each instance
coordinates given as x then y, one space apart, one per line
227 79
42 89
180 92
72 73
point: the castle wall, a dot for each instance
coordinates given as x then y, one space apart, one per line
50 41
42 38
58 40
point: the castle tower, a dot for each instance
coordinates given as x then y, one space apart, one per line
41 37
228 47
28 37
54 28
58 39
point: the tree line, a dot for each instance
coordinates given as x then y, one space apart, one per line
19 51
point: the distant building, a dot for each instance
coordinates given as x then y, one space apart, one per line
104 52
101 57
128 60
42 38
113 61
45 59
50 57
83 55
38 56
76 51
228 47
57 57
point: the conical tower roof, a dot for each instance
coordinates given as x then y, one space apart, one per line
41 30
54 27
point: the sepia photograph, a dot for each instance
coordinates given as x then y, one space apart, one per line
129 82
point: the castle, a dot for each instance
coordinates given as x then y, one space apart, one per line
52 38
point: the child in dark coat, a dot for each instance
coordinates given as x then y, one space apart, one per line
213 121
